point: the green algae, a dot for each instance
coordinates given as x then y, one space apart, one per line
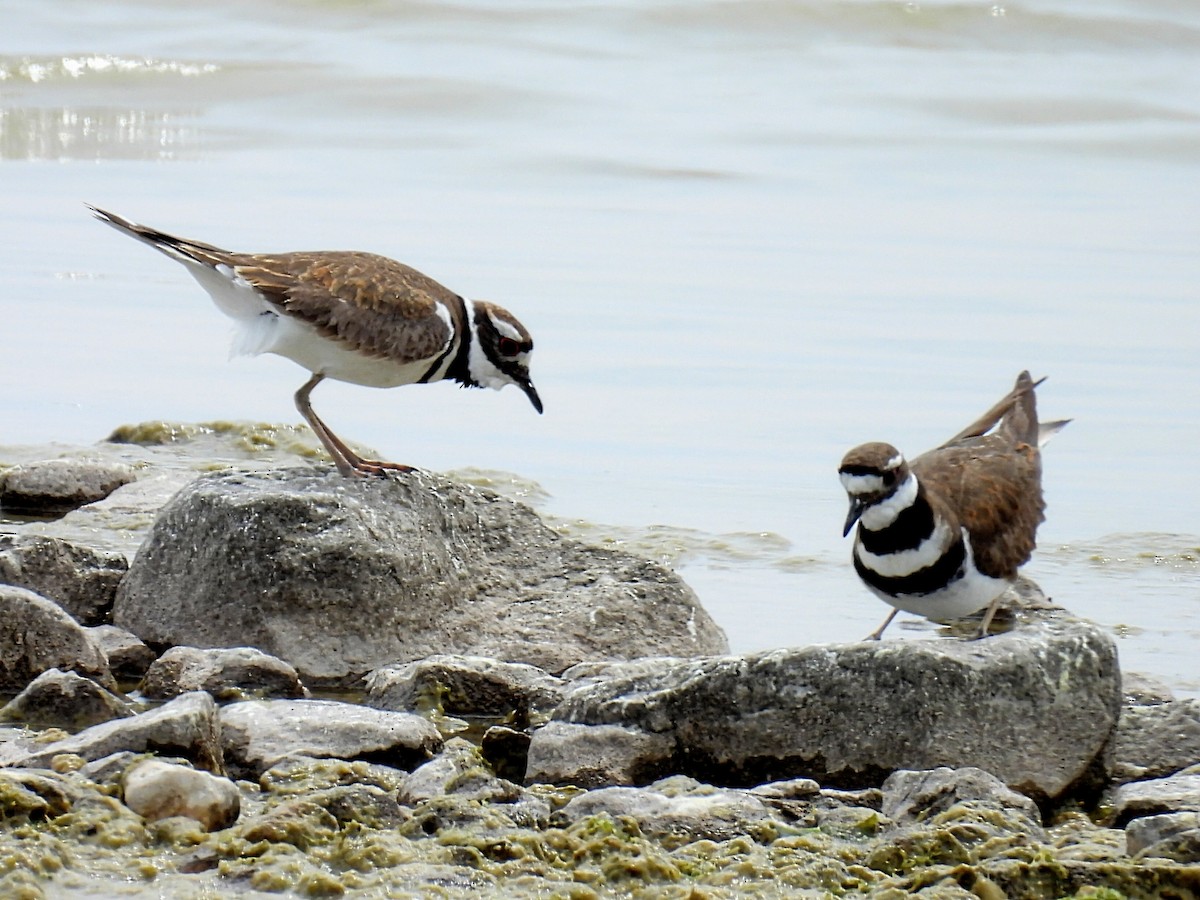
309 829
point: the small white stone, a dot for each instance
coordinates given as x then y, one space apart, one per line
158 790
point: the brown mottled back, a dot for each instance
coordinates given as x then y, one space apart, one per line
357 298
992 483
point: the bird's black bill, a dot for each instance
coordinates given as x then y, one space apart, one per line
856 510
531 392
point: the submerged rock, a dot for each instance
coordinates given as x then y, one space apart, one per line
363 573
1033 706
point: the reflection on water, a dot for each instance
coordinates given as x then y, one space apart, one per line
97 133
34 127
37 69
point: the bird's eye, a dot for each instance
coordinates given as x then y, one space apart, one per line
889 478
508 347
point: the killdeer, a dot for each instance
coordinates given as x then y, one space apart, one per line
354 317
944 535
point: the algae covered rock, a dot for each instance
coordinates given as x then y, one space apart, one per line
342 576
910 796
677 807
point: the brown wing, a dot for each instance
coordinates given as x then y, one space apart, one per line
372 304
995 487
1016 412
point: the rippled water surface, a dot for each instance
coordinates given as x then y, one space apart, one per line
746 236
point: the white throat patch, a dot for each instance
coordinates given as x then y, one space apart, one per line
879 516
483 371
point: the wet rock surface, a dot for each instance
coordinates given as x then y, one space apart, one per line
128 656
467 686
185 727
393 570
1152 741
55 486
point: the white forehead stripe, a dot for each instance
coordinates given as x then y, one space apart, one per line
505 327
861 484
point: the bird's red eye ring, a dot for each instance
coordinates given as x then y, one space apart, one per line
508 347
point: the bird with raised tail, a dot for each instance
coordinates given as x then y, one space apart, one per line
352 316
943 536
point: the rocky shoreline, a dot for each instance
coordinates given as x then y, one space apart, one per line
266 681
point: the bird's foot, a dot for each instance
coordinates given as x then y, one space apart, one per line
365 467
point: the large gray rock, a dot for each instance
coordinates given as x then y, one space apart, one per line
80 580
186 727
1153 741
340 576
37 634
257 734
1033 706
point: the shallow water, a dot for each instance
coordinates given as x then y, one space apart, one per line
746 236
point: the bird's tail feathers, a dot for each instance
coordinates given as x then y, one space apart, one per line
180 249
